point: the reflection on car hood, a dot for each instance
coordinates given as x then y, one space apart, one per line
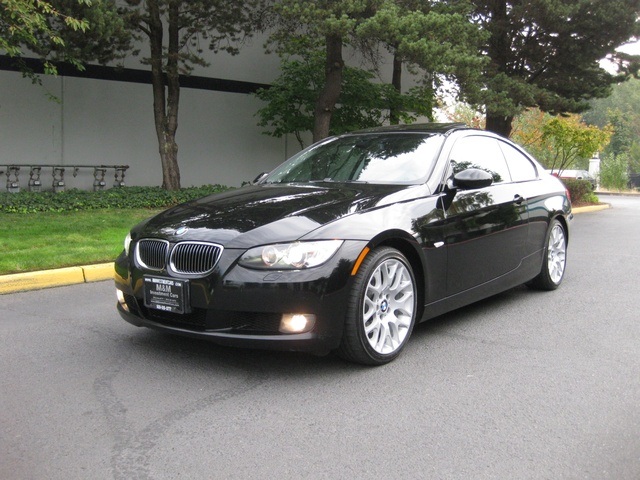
262 214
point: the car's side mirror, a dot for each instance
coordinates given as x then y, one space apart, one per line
260 177
472 178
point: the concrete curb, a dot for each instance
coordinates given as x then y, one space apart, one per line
621 194
591 208
20 282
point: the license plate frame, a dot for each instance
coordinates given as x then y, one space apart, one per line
169 295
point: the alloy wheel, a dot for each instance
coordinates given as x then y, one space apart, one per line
388 306
556 255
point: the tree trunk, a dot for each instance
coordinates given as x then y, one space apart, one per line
499 53
396 82
326 102
499 124
165 100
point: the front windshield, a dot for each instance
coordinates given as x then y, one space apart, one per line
404 158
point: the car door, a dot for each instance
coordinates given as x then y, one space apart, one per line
485 228
525 174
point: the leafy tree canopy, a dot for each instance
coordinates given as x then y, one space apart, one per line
546 53
189 27
572 141
621 110
301 27
73 31
464 113
559 142
290 101
624 98
436 38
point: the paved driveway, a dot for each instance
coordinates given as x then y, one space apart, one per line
523 385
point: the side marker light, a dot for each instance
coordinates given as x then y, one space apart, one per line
359 260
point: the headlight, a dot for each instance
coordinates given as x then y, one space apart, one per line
290 256
127 242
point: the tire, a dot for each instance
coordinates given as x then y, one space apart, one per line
381 310
555 259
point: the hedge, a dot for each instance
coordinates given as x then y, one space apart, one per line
581 191
124 197
156 197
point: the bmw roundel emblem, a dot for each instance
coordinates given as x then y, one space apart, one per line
181 230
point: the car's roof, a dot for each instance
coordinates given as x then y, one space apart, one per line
417 127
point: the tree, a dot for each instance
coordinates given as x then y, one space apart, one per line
303 27
528 131
291 98
174 30
28 24
614 171
72 31
559 142
434 39
106 39
572 141
465 113
624 98
621 110
546 53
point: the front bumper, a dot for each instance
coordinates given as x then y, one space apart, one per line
237 306
304 342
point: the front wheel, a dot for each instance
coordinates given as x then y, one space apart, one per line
382 309
555 259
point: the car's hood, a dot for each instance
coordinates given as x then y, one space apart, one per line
263 214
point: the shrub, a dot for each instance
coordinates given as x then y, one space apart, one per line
581 191
614 172
590 198
125 197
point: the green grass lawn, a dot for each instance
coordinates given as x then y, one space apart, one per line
41 241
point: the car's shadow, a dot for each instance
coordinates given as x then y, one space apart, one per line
202 352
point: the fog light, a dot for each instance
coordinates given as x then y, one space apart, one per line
297 322
121 300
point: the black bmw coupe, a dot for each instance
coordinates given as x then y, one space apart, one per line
350 243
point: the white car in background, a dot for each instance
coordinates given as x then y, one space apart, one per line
575 174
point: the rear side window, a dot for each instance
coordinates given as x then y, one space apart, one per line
520 167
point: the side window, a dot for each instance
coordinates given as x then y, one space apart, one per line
480 152
520 166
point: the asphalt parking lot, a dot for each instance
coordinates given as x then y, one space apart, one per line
523 385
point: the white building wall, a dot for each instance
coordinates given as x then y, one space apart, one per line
111 122
30 124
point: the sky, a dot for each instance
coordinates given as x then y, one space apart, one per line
632 48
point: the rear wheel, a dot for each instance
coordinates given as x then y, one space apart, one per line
382 309
555 259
